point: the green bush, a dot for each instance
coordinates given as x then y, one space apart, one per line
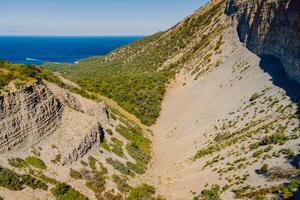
133 167
17 162
62 191
75 174
23 74
211 194
142 192
121 183
13 181
10 180
139 146
254 97
36 162
277 138
206 151
105 146
117 147
34 183
264 169
118 166
288 152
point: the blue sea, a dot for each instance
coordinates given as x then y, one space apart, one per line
40 49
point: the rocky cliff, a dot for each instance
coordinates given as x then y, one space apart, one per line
27 115
270 27
38 110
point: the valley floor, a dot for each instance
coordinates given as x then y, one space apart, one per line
191 117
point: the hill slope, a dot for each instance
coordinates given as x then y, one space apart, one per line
135 75
228 128
57 144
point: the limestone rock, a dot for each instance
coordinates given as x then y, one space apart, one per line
270 27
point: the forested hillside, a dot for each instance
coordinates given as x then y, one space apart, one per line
135 76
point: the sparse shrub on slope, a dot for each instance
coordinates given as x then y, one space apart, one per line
63 191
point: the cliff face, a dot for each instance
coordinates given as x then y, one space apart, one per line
43 110
270 27
27 115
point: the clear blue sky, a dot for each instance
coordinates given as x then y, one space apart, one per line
92 17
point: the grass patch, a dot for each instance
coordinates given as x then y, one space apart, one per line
121 183
142 192
119 166
13 181
75 174
139 146
62 191
36 162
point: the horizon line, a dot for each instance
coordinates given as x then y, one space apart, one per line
73 35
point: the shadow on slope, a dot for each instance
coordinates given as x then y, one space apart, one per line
274 68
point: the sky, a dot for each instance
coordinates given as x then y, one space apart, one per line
92 17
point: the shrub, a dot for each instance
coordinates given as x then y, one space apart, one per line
121 183
13 181
17 162
117 147
277 138
211 194
264 169
36 162
75 174
289 152
206 151
135 168
10 180
34 183
62 191
118 166
254 97
109 131
105 146
142 192
139 146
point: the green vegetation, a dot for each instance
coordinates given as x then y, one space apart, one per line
210 194
288 152
206 151
75 174
17 162
264 169
63 191
117 147
278 138
121 183
105 146
135 168
10 180
13 181
36 162
142 192
254 96
139 146
119 166
23 74
134 75
33 182
97 180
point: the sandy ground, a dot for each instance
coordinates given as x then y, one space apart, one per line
190 111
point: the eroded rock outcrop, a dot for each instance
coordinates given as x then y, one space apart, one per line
270 27
27 115
43 113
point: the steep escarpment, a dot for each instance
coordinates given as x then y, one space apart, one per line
27 115
50 133
270 28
